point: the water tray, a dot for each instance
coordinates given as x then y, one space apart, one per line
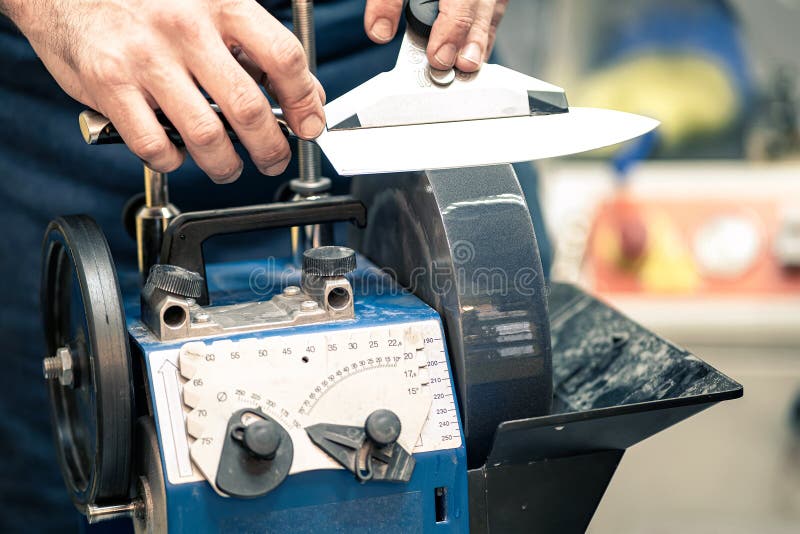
615 384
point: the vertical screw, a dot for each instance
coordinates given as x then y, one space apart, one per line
303 22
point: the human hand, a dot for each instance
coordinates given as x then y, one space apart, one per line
462 36
126 57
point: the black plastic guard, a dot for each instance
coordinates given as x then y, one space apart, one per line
615 384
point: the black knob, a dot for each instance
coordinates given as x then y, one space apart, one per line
383 427
175 280
329 261
262 439
421 14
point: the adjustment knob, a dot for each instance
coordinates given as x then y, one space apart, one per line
329 261
262 439
383 427
175 280
256 457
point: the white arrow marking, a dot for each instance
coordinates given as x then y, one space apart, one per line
169 376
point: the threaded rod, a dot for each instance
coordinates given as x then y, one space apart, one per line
51 366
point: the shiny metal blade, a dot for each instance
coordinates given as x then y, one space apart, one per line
478 142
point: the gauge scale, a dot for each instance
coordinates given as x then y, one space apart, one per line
336 377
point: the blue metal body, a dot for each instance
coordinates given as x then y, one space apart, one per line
326 500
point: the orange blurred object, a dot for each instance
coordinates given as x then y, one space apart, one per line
687 247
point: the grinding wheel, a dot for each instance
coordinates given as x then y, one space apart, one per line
462 240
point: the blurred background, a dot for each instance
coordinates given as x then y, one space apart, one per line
694 231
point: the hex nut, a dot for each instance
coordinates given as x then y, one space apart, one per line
66 376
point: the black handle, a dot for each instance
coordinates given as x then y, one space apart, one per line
183 240
421 14
97 129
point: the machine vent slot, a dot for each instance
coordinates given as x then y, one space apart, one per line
440 503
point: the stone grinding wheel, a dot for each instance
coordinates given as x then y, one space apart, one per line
462 240
82 310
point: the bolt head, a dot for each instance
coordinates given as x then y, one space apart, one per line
67 376
309 305
201 317
291 291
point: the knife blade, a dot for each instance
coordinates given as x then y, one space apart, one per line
447 144
478 142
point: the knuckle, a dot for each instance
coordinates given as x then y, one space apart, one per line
152 70
108 69
480 32
273 154
461 18
150 146
174 17
206 131
248 105
289 54
302 100
462 24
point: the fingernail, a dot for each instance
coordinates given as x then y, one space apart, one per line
472 53
276 169
382 30
312 126
446 55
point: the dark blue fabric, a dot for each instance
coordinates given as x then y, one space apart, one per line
46 170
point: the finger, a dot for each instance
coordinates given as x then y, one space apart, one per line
136 123
243 104
277 52
262 79
450 31
320 91
381 18
499 11
203 133
247 64
255 72
473 53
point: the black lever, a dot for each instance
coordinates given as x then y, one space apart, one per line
420 16
97 129
183 239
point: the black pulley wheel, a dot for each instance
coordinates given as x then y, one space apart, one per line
82 311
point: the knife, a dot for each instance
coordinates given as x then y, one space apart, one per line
415 117
470 143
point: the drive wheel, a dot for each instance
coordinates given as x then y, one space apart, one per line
88 369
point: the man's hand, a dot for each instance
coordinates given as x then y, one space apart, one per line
126 57
462 36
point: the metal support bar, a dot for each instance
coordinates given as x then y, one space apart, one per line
152 219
